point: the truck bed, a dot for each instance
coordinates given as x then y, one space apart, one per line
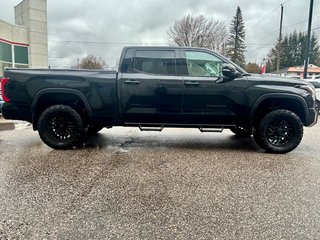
95 88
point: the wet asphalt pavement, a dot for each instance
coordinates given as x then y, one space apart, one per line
177 184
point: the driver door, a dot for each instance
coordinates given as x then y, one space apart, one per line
205 100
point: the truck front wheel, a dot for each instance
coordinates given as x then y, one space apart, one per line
280 131
61 127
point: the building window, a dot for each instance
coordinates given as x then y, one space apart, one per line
21 55
20 58
5 52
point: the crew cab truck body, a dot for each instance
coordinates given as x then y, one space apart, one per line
158 87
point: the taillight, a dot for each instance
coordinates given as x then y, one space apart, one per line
4 81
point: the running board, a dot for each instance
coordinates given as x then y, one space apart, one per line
157 129
213 130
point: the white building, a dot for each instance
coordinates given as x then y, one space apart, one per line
25 43
297 71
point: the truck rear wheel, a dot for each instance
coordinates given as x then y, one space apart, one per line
280 131
61 127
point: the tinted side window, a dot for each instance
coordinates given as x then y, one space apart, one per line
201 64
155 62
127 61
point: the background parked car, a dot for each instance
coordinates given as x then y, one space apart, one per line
316 84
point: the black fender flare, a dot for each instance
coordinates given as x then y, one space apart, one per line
77 93
279 96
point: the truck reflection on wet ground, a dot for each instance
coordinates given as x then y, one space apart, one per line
172 138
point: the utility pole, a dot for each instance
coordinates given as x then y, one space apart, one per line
307 53
280 40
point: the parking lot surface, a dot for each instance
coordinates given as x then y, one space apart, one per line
177 184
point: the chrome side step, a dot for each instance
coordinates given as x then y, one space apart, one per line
213 130
158 127
151 128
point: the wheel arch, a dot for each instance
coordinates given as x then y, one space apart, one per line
270 102
54 96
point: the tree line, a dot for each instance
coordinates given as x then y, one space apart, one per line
292 51
292 47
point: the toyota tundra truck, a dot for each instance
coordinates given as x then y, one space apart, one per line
157 87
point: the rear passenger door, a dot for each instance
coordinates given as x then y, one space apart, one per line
150 89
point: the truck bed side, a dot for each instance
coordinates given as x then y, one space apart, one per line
92 93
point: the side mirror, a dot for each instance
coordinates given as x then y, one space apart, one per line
229 71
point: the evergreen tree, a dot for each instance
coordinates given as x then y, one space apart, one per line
235 43
315 50
292 53
272 58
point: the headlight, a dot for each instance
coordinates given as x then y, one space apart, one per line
310 90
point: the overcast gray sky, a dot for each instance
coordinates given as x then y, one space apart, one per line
113 24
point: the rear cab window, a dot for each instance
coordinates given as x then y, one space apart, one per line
159 62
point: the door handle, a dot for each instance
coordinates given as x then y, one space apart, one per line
191 83
131 81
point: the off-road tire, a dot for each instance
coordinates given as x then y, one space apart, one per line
242 132
280 131
61 127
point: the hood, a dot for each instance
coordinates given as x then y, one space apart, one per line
276 80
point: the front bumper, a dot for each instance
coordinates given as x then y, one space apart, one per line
312 118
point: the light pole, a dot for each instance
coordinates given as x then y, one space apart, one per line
280 40
307 53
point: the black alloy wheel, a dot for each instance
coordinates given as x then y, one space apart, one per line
61 127
280 131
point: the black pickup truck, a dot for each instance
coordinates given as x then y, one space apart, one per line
158 87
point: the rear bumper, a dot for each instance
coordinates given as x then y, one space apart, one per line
17 112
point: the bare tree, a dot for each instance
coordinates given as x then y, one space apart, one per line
198 31
92 62
252 68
